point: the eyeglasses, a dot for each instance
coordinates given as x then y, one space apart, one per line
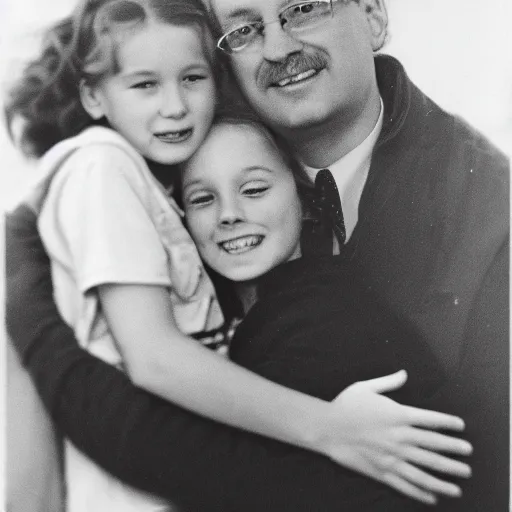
294 19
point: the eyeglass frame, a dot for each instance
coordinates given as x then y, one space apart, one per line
260 25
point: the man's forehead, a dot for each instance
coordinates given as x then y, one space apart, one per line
226 9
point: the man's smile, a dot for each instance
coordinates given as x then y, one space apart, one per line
296 69
299 77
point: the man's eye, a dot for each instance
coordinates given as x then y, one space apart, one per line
246 30
305 14
240 35
306 8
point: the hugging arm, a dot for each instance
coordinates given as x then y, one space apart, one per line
32 451
145 441
140 438
480 390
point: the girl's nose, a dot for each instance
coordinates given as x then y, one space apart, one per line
173 104
230 213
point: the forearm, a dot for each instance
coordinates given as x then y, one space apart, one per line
162 360
197 379
148 442
163 449
143 440
128 432
32 451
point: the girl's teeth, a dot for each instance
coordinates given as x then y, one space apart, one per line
297 78
241 244
174 136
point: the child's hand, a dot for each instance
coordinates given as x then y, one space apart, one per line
387 441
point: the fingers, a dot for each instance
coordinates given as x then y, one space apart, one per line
437 462
438 442
387 383
427 482
405 487
434 420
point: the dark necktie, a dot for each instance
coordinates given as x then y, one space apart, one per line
329 204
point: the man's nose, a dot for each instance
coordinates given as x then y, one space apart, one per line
173 103
279 44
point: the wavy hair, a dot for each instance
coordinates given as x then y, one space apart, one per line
83 47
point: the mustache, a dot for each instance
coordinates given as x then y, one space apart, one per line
273 72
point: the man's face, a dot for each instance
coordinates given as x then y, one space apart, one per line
322 74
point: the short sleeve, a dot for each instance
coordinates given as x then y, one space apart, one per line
104 220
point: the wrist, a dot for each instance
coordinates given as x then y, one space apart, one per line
320 429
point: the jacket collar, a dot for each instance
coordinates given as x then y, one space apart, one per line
395 90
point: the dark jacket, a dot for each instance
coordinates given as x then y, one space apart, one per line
431 243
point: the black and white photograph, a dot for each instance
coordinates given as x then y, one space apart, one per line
256 255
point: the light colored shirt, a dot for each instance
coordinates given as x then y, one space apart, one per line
104 218
350 173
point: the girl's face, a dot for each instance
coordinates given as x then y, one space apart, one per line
163 98
241 203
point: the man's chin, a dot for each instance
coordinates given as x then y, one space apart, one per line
302 117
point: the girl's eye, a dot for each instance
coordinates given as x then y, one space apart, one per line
147 84
200 199
194 78
255 189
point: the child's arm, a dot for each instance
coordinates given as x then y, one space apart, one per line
164 361
112 240
182 455
351 430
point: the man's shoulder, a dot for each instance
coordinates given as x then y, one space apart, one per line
442 145
478 148
461 164
469 190
474 165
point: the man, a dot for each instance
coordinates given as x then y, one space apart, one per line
426 211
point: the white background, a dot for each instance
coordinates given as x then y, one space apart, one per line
457 51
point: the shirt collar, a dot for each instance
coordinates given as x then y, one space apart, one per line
357 160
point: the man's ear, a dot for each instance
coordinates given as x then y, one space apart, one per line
377 17
91 100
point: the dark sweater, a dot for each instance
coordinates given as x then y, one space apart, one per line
317 329
431 243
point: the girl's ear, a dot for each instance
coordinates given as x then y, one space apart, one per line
91 100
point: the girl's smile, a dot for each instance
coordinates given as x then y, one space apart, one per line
241 202
162 100
241 244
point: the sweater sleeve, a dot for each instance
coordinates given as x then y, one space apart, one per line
480 391
143 440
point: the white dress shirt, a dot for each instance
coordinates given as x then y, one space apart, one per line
350 173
